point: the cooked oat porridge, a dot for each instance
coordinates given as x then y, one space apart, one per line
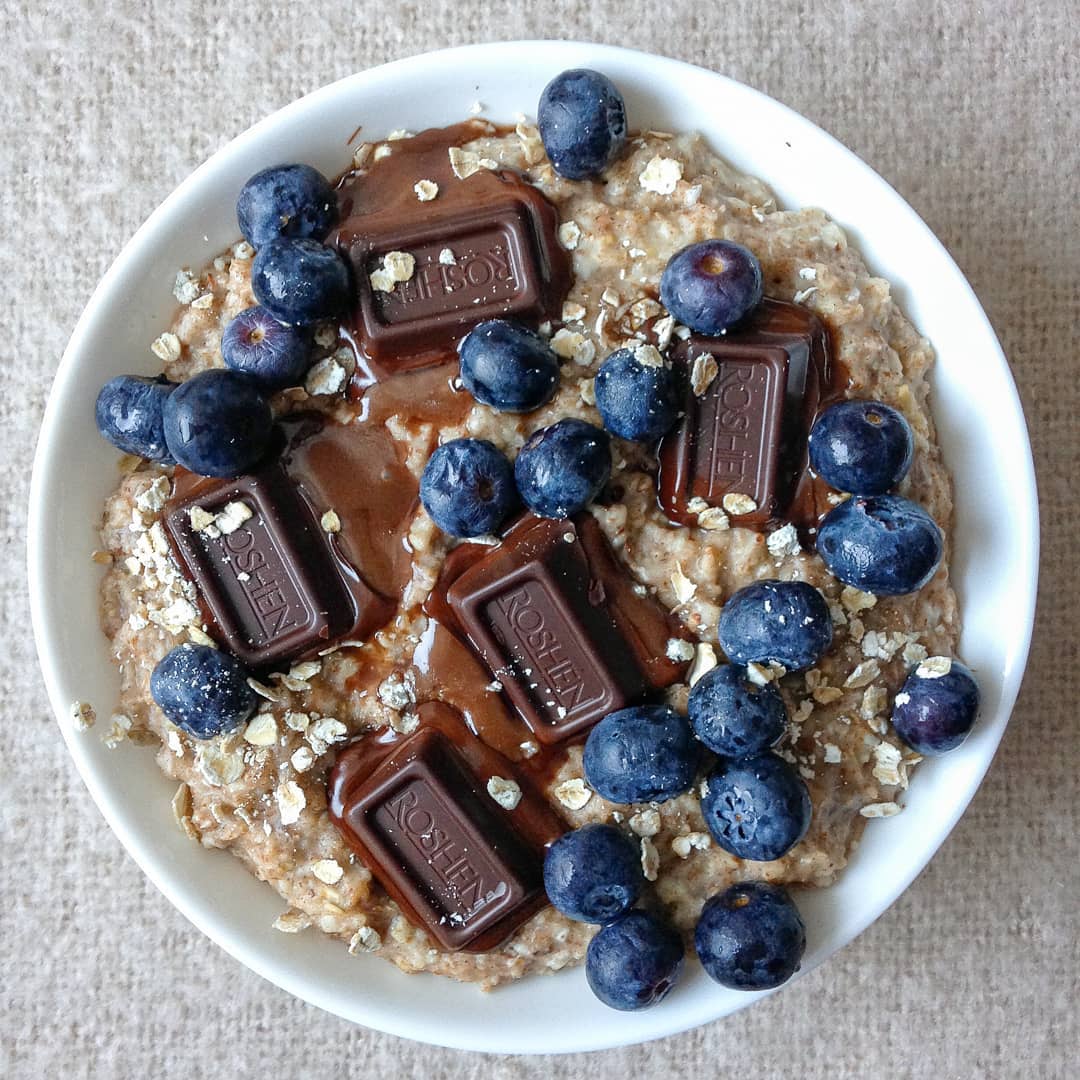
356 434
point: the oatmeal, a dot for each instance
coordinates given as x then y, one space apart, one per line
260 791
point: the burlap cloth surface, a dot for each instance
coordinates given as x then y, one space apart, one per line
969 110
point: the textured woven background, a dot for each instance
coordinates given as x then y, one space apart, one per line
969 110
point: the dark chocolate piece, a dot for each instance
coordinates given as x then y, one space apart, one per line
556 619
272 585
458 864
502 267
747 433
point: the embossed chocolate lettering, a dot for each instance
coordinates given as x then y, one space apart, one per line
537 626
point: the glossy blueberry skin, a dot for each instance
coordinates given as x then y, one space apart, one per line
508 367
562 468
636 401
217 423
633 963
882 544
582 121
757 808
750 937
593 874
785 621
734 717
299 281
202 690
286 200
272 353
646 753
710 286
864 447
935 715
468 487
130 413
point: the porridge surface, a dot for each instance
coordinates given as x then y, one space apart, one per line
260 792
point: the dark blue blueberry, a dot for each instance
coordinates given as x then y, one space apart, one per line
202 690
785 621
734 717
935 713
710 286
638 401
582 121
633 963
300 282
593 874
468 487
750 937
129 413
882 544
757 808
646 753
273 354
509 367
562 468
286 200
864 447
217 423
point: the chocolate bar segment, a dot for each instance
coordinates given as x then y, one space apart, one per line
746 434
475 262
265 574
458 864
557 621
484 246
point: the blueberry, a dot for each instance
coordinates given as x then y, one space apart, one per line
286 200
750 937
582 121
785 621
129 412
300 281
593 874
864 447
509 367
637 400
468 487
733 716
217 423
562 468
273 354
202 690
710 286
633 963
882 544
646 753
934 713
757 808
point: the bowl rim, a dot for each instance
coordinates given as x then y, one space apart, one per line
156 867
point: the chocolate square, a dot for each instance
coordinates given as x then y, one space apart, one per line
746 434
556 619
270 586
504 265
458 864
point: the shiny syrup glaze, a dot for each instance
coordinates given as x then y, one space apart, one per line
358 470
378 203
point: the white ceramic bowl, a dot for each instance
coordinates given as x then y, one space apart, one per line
979 419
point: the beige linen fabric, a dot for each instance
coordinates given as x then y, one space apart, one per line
970 110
